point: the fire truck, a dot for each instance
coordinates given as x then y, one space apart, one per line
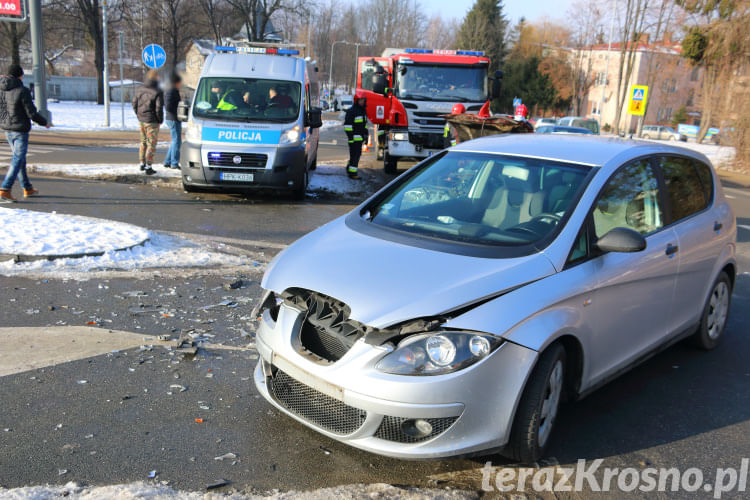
410 90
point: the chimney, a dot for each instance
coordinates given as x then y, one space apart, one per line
668 37
644 38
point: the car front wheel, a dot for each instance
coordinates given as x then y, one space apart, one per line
715 314
537 410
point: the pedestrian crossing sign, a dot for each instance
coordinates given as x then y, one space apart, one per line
638 96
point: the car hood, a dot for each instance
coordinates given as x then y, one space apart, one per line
385 283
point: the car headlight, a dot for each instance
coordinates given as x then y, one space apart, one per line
438 353
399 136
194 132
270 302
291 136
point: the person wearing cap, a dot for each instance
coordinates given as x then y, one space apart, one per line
355 126
17 111
148 105
172 100
450 134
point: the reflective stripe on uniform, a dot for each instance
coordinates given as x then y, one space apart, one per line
348 128
351 170
446 130
453 142
359 119
381 132
358 138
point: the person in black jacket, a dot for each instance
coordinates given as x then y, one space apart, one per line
148 104
355 126
171 101
17 110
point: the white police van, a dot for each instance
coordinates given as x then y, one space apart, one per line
253 122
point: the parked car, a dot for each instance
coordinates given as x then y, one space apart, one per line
342 102
578 121
557 129
544 121
324 105
488 283
662 132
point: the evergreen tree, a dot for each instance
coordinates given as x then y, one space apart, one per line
484 28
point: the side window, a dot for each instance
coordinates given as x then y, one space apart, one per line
684 187
580 248
707 179
629 199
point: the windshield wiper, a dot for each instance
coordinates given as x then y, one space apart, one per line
418 97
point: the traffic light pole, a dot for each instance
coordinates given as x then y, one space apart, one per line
37 57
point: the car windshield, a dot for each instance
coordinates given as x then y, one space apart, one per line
247 99
423 82
482 199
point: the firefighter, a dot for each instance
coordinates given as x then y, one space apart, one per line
355 126
450 134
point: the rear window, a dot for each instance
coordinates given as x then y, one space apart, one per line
482 199
684 186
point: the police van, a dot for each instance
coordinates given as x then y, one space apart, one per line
253 122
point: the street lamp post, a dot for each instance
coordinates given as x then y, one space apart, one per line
330 68
37 46
606 67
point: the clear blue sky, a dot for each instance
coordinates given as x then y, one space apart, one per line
514 9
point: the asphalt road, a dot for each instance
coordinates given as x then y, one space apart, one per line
683 408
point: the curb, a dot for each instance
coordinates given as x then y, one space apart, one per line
16 258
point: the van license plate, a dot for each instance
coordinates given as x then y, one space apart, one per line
231 176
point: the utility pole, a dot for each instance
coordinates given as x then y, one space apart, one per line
37 55
309 34
106 64
330 68
356 68
606 65
122 81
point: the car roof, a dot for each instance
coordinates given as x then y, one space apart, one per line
255 66
586 149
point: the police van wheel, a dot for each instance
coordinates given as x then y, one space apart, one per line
188 188
301 189
390 164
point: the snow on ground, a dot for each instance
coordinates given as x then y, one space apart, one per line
82 115
27 232
331 124
146 491
719 156
161 251
101 171
333 179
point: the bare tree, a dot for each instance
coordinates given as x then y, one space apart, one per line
586 20
14 33
632 31
215 12
255 15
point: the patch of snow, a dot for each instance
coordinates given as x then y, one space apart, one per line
101 171
81 115
161 251
718 155
333 179
148 491
331 124
28 232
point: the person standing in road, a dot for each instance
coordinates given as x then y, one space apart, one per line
17 110
355 126
148 104
172 99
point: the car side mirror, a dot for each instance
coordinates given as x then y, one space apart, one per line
182 111
622 240
380 83
496 85
314 118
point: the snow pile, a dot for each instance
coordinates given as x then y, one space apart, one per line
331 124
333 179
75 115
102 171
161 251
146 491
26 232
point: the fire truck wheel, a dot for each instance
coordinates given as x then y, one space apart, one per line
390 164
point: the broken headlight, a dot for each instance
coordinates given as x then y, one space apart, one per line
438 353
270 302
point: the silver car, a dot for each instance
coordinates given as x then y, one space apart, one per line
453 311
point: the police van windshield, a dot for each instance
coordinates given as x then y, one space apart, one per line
423 82
247 99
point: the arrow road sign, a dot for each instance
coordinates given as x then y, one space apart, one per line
154 56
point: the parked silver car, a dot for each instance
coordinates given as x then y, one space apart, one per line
661 132
455 309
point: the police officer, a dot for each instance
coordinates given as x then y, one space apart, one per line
450 134
355 126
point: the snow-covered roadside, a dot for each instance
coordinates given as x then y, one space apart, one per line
720 156
27 232
82 115
332 179
98 171
147 491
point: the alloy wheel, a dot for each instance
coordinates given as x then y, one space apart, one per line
718 308
551 402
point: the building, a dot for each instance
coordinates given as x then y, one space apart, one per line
672 82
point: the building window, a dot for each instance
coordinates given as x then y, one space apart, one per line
595 108
690 98
601 79
669 85
53 89
694 74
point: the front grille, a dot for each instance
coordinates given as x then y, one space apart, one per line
247 160
390 429
314 406
432 141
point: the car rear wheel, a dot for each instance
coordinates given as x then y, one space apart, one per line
646 136
537 410
715 314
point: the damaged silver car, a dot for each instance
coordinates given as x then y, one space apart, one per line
453 311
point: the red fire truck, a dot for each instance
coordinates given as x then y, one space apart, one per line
408 91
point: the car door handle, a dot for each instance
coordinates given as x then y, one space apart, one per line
672 249
718 226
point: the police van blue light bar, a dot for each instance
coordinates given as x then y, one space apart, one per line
288 52
256 50
445 52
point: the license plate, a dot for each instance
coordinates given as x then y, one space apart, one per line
231 176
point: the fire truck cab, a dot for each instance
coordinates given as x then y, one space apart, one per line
408 91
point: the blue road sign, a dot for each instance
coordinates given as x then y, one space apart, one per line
154 56
516 101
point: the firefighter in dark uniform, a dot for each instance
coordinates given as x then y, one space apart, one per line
355 126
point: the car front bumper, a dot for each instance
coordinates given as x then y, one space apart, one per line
473 408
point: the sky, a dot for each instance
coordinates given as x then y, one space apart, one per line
514 9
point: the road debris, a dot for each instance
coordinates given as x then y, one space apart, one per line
217 484
152 474
226 456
